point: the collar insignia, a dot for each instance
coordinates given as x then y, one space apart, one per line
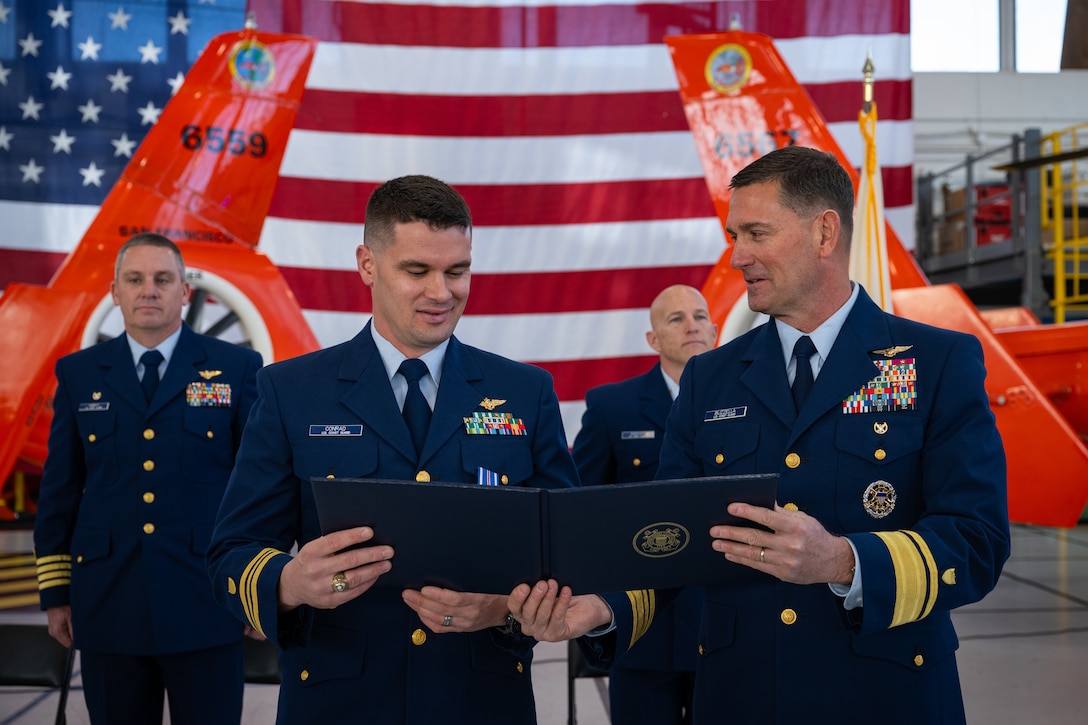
209 374
490 404
892 351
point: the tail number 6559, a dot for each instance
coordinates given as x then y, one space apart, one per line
217 140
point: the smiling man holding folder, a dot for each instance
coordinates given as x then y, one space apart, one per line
403 400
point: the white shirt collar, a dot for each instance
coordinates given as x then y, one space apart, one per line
392 358
166 348
823 337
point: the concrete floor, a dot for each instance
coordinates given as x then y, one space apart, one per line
1023 653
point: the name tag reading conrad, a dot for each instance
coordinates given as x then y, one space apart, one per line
335 431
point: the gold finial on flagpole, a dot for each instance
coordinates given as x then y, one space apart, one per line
867 70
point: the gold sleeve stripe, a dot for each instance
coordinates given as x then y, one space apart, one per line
51 568
48 576
54 558
43 585
643 605
931 570
247 587
912 576
54 571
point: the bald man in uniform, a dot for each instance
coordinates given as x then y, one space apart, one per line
620 442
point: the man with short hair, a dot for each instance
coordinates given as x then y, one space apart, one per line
348 649
892 504
135 472
620 442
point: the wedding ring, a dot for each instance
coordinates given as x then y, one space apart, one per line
447 621
339 582
762 551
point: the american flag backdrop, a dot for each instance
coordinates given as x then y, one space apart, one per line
558 120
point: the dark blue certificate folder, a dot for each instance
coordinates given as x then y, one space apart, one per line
593 539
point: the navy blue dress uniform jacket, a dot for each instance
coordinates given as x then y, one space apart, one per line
372 659
130 493
623 428
921 493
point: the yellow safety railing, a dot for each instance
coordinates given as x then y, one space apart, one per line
1065 229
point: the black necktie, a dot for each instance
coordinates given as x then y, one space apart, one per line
417 413
150 383
802 380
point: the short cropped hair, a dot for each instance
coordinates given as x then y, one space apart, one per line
808 182
415 198
149 239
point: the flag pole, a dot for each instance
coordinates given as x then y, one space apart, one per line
868 246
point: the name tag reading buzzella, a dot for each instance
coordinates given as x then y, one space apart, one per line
637 435
725 414
336 431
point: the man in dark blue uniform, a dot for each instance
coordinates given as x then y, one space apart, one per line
619 442
136 469
350 652
892 504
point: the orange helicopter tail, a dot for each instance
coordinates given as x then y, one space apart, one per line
742 101
204 177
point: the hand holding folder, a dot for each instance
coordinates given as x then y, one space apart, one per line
593 539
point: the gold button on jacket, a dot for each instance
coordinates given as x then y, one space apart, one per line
793 460
419 637
788 616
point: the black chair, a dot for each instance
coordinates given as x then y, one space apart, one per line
578 667
29 657
262 662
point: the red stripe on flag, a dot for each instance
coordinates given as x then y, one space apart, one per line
574 377
533 204
552 115
840 102
555 115
511 204
28 267
336 290
571 26
898 182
